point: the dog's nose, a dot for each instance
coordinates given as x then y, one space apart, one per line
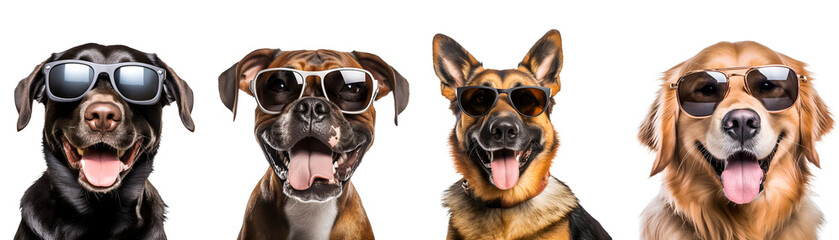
102 116
741 124
504 129
311 110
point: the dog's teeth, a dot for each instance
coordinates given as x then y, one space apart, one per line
121 153
490 155
334 166
80 151
487 165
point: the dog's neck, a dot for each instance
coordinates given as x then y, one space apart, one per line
65 181
312 220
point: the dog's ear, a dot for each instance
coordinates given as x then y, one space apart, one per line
544 60
389 80
815 121
658 131
239 75
176 90
453 65
29 89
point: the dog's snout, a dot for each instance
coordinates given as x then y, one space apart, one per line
504 129
741 124
311 110
102 116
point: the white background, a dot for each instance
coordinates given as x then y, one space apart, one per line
614 53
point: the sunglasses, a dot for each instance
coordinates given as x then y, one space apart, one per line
775 86
529 101
351 89
70 80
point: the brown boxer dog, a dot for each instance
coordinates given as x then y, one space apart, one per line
314 130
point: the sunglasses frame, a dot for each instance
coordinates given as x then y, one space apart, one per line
801 78
321 75
498 93
108 69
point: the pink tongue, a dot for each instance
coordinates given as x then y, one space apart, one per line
741 180
101 168
505 169
310 159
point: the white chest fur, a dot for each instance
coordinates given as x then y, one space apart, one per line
312 220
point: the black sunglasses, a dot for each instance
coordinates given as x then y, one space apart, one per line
137 83
775 86
529 101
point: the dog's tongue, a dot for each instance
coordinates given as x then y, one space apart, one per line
101 168
310 159
505 169
741 180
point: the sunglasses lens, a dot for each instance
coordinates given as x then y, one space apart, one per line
70 80
477 101
701 92
351 90
275 89
137 83
529 101
776 87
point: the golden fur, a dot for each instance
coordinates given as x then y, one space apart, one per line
692 204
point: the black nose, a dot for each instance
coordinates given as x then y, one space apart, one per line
311 110
741 124
504 129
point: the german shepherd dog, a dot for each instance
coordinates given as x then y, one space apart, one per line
503 147
99 144
734 128
314 122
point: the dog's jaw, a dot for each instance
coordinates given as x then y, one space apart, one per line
75 157
737 160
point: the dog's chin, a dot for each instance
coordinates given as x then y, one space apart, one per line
311 171
503 166
101 166
741 173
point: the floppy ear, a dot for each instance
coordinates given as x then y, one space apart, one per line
389 80
239 75
176 90
29 89
453 65
544 60
815 121
658 131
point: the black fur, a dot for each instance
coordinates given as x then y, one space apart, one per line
584 226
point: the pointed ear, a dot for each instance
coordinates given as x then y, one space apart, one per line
176 90
29 89
238 76
453 65
658 131
389 80
544 60
815 121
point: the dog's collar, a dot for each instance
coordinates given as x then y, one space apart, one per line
497 203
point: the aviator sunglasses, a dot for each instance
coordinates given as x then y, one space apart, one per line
775 86
70 80
351 89
529 101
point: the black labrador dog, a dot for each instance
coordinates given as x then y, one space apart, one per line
103 108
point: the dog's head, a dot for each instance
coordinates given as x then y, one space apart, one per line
101 137
311 145
502 155
741 141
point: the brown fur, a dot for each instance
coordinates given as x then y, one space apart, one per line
692 204
538 206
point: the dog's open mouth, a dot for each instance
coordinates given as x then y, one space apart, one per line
504 166
100 165
742 174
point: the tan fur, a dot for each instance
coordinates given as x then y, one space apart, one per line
542 217
692 204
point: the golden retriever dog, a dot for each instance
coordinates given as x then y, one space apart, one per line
732 127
